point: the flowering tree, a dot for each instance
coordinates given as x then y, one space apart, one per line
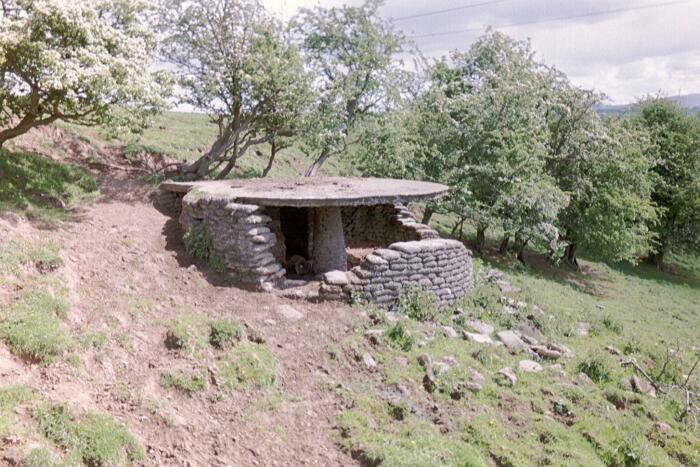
234 62
80 61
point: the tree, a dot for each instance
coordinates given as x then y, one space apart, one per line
351 53
494 95
84 62
675 152
603 168
236 63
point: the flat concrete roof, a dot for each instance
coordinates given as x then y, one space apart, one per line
315 191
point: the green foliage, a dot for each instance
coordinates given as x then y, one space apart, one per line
350 52
235 62
98 439
182 381
10 398
399 337
199 243
597 368
80 62
225 333
418 303
41 188
675 152
247 366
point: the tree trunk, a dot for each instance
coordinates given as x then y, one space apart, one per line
570 255
316 165
427 215
271 160
656 259
503 247
519 248
480 239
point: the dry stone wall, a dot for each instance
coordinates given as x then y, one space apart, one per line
168 202
241 236
441 266
381 225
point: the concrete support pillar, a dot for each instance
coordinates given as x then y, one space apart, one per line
329 241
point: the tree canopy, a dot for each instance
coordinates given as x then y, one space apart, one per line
236 62
83 61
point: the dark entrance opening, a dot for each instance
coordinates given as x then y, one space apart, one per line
294 223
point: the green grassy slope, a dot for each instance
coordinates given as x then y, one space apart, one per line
185 136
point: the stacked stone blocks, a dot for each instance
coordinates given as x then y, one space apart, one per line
441 266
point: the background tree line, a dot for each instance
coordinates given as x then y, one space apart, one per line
523 150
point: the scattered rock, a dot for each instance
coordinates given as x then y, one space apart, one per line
369 361
429 380
561 348
529 366
374 335
613 350
480 338
425 361
642 386
449 332
546 352
192 268
450 360
480 327
529 340
661 426
289 313
527 330
476 377
473 386
506 287
505 377
582 379
582 329
511 340
441 367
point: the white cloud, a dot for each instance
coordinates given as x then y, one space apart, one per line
625 54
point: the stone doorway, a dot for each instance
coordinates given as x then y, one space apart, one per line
294 224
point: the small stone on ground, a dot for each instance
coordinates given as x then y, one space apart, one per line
480 338
480 327
289 313
506 377
511 340
529 366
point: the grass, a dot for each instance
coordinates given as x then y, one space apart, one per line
10 398
15 255
225 333
92 438
247 366
186 332
185 382
40 188
186 136
546 418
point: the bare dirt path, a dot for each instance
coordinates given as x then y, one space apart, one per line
128 277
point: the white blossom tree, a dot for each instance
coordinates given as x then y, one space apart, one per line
80 61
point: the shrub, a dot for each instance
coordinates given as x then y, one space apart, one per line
398 337
225 333
418 304
199 244
596 368
182 381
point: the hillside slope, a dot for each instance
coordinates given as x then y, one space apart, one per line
117 348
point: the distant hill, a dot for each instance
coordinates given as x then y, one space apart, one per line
691 102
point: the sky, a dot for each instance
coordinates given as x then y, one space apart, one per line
624 48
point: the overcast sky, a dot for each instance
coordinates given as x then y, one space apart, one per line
639 47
